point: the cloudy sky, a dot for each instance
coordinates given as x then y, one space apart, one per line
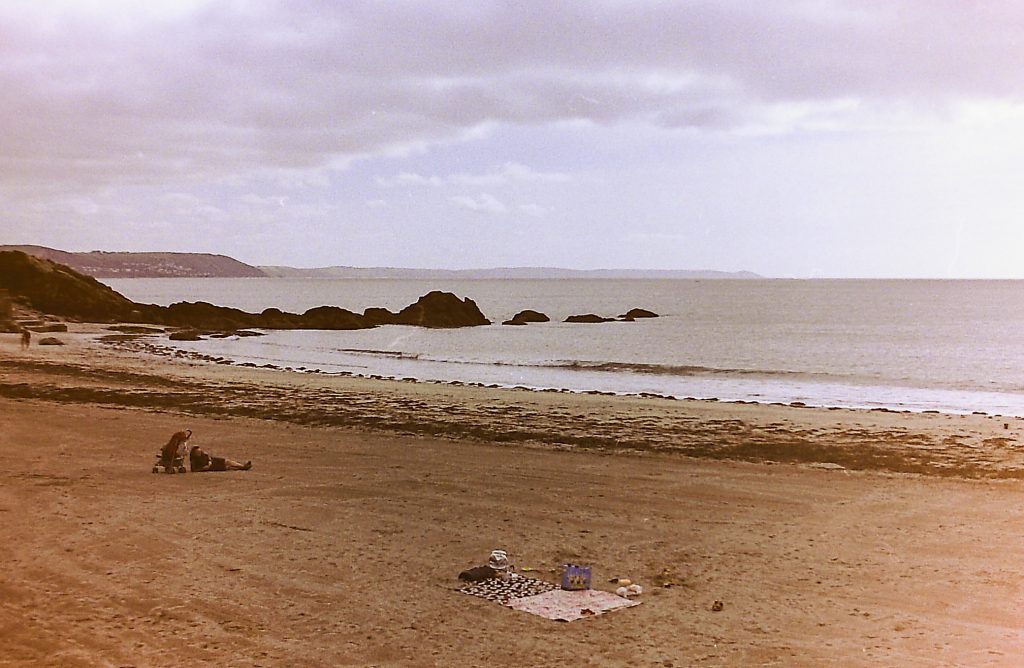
803 138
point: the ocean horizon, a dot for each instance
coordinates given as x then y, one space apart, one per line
911 344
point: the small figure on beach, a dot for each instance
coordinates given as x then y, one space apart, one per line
172 455
26 339
200 461
177 446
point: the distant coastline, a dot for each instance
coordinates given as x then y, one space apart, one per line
112 264
522 273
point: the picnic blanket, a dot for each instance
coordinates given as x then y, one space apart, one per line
546 599
568 606
503 591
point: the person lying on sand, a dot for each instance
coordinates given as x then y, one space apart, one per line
200 461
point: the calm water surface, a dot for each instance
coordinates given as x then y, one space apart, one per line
954 346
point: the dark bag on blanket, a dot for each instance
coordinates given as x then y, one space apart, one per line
477 574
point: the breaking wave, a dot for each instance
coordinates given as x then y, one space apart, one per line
680 370
669 369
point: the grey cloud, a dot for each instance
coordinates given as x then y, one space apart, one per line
237 87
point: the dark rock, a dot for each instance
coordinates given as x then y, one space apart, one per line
378 316
588 318
51 341
275 318
527 316
441 309
58 290
186 335
331 317
204 315
477 574
636 313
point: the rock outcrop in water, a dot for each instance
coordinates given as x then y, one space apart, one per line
637 313
59 290
629 316
588 318
526 317
441 309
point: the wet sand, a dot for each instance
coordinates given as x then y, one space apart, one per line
831 537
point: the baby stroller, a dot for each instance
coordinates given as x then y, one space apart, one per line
175 465
171 457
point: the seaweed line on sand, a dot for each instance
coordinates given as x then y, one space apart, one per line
571 426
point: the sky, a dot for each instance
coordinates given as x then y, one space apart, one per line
793 138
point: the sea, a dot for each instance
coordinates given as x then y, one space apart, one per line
951 346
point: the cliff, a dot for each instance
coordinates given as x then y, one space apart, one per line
58 290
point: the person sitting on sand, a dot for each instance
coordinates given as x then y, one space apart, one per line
200 461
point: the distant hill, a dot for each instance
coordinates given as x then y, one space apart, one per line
106 264
532 273
103 264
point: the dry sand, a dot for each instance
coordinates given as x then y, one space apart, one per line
342 545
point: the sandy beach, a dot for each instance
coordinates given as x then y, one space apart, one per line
831 537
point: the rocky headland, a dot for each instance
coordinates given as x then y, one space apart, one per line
40 288
47 287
